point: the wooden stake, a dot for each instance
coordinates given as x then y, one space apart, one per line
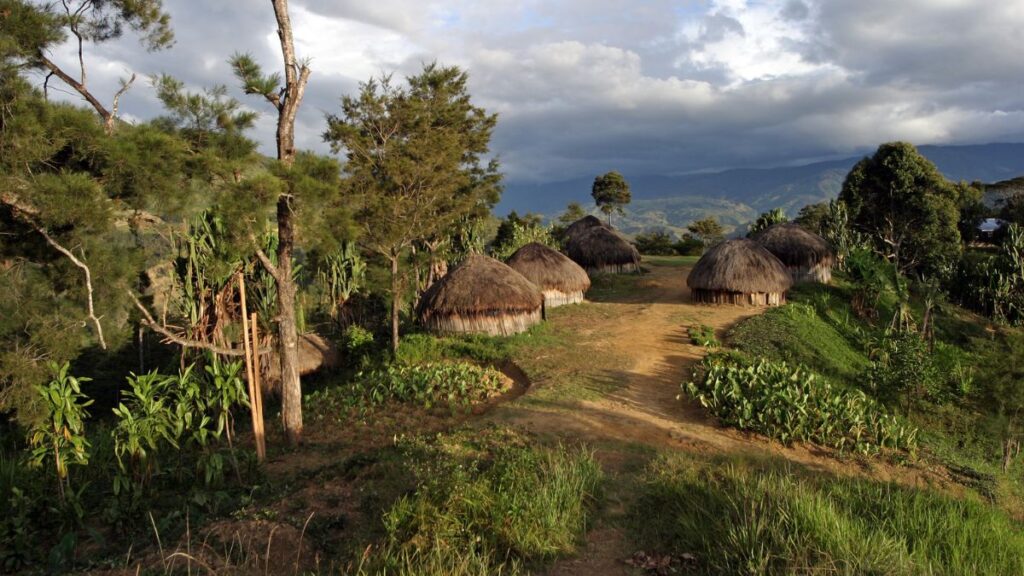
261 443
248 363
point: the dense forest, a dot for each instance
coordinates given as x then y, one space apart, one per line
196 337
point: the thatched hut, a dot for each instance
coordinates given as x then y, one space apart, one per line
739 272
601 249
560 280
807 256
481 296
580 226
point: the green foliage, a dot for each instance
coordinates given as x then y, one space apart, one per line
869 275
908 210
814 217
994 285
747 517
688 246
61 438
489 499
703 335
339 276
903 365
708 230
520 235
766 220
456 384
655 243
793 404
357 341
611 193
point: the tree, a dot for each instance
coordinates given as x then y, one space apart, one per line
285 98
813 217
906 208
508 226
573 212
415 163
611 193
657 242
973 210
766 220
38 27
708 230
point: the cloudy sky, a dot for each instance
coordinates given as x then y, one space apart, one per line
642 86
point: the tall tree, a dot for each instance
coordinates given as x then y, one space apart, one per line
611 193
813 217
908 210
708 230
39 26
285 98
415 162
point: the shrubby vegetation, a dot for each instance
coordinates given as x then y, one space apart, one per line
794 404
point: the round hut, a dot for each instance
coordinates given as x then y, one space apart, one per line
560 280
600 249
580 226
739 272
481 296
807 256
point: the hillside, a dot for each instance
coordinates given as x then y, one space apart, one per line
737 196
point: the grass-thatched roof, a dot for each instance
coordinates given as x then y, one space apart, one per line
480 285
795 246
582 225
739 266
549 269
601 246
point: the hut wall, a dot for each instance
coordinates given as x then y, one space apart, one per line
739 298
627 268
556 298
820 273
491 324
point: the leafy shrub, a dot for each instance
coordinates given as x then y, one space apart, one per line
689 246
749 517
521 235
703 335
487 504
60 439
655 243
902 365
452 383
791 404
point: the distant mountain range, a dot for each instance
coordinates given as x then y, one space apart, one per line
736 197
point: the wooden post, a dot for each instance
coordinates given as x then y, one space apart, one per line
261 443
248 364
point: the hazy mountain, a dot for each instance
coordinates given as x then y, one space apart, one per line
738 196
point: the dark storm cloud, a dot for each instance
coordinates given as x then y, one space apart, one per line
658 86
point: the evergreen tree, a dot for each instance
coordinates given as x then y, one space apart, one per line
415 163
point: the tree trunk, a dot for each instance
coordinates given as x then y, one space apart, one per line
287 331
395 303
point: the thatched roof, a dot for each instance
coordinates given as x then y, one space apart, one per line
739 266
549 269
479 285
795 246
582 225
600 246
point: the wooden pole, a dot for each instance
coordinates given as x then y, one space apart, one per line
248 362
261 443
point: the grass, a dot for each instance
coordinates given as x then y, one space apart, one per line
740 516
487 503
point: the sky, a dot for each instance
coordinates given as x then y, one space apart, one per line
640 86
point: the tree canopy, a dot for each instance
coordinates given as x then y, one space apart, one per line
611 193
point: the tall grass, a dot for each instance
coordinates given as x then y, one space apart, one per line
488 506
763 518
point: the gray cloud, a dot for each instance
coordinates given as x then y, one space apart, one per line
654 87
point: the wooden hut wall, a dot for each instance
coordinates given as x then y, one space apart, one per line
490 324
739 298
821 273
627 268
556 298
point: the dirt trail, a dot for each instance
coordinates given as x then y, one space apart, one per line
646 333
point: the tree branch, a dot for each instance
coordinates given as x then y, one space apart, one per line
265 260
117 96
173 338
78 86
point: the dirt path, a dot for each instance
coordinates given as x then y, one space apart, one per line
636 352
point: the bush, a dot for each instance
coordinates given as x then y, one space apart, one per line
487 505
902 365
655 243
703 335
742 517
791 404
688 246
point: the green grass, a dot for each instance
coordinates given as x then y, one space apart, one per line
487 503
764 517
797 334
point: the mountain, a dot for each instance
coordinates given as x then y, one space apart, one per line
738 196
